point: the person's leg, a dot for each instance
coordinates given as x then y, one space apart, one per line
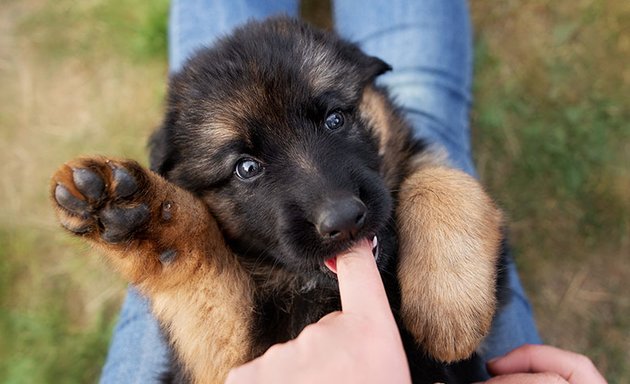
138 352
429 45
196 23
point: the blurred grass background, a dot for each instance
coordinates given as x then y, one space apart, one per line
551 127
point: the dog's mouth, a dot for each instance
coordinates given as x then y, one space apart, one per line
331 263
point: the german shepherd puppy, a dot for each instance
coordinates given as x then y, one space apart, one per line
277 152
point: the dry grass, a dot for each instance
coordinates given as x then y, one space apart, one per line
552 140
58 299
551 134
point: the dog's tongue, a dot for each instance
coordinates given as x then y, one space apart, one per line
332 262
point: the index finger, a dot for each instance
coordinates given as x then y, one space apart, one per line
360 284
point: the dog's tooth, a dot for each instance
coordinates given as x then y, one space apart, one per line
375 247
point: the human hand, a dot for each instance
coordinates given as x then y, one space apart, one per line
359 344
531 364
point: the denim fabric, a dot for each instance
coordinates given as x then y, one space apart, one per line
197 23
138 353
429 45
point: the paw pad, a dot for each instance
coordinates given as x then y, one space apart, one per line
69 201
125 183
98 195
88 183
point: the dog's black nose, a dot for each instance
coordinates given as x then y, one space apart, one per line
341 218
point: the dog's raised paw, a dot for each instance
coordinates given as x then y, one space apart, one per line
450 238
99 197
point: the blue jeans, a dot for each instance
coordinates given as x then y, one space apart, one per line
429 45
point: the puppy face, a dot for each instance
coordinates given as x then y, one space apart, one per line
267 128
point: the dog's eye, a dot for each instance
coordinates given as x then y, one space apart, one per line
334 121
248 168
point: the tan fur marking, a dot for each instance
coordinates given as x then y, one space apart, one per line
319 66
391 132
221 133
450 234
374 110
225 121
429 158
203 296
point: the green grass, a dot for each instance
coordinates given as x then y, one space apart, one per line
78 78
43 338
551 133
135 31
551 127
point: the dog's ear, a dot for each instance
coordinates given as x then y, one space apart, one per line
158 150
374 67
161 151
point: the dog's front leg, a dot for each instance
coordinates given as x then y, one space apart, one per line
450 237
162 239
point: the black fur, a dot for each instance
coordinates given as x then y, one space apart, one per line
269 87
